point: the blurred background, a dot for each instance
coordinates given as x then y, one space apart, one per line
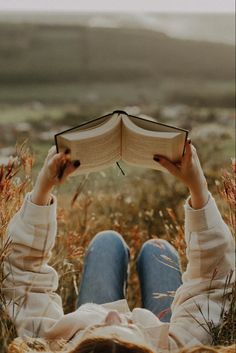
64 62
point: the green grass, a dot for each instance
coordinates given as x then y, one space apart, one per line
82 92
31 113
52 101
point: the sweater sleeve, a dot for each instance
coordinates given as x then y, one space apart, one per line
30 283
210 245
210 252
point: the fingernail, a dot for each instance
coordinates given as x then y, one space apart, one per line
76 163
189 141
67 151
156 158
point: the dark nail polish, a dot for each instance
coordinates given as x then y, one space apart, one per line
189 141
156 159
67 151
76 163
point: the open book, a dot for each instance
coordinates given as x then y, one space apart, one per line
104 141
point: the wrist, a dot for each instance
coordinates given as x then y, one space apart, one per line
40 197
199 197
41 193
44 182
198 187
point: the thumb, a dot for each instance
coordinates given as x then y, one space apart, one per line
171 167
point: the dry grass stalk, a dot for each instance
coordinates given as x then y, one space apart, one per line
14 182
207 349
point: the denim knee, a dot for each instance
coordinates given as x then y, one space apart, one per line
159 246
110 239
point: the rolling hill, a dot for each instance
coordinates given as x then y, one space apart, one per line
71 53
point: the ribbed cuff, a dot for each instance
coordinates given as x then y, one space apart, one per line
203 218
35 214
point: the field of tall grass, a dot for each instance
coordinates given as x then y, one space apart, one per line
140 206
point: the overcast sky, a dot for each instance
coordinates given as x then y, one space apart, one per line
120 5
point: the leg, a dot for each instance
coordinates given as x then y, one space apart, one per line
159 272
105 269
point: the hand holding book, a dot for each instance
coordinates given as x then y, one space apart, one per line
190 172
186 168
104 141
56 168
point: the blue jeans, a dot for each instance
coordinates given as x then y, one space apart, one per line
105 272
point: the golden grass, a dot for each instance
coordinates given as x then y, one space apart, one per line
207 349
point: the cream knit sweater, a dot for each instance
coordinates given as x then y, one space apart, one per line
31 283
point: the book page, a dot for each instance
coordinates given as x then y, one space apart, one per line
96 148
89 125
152 125
139 145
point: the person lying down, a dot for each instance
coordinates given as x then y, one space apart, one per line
102 321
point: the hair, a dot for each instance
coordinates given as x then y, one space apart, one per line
109 345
